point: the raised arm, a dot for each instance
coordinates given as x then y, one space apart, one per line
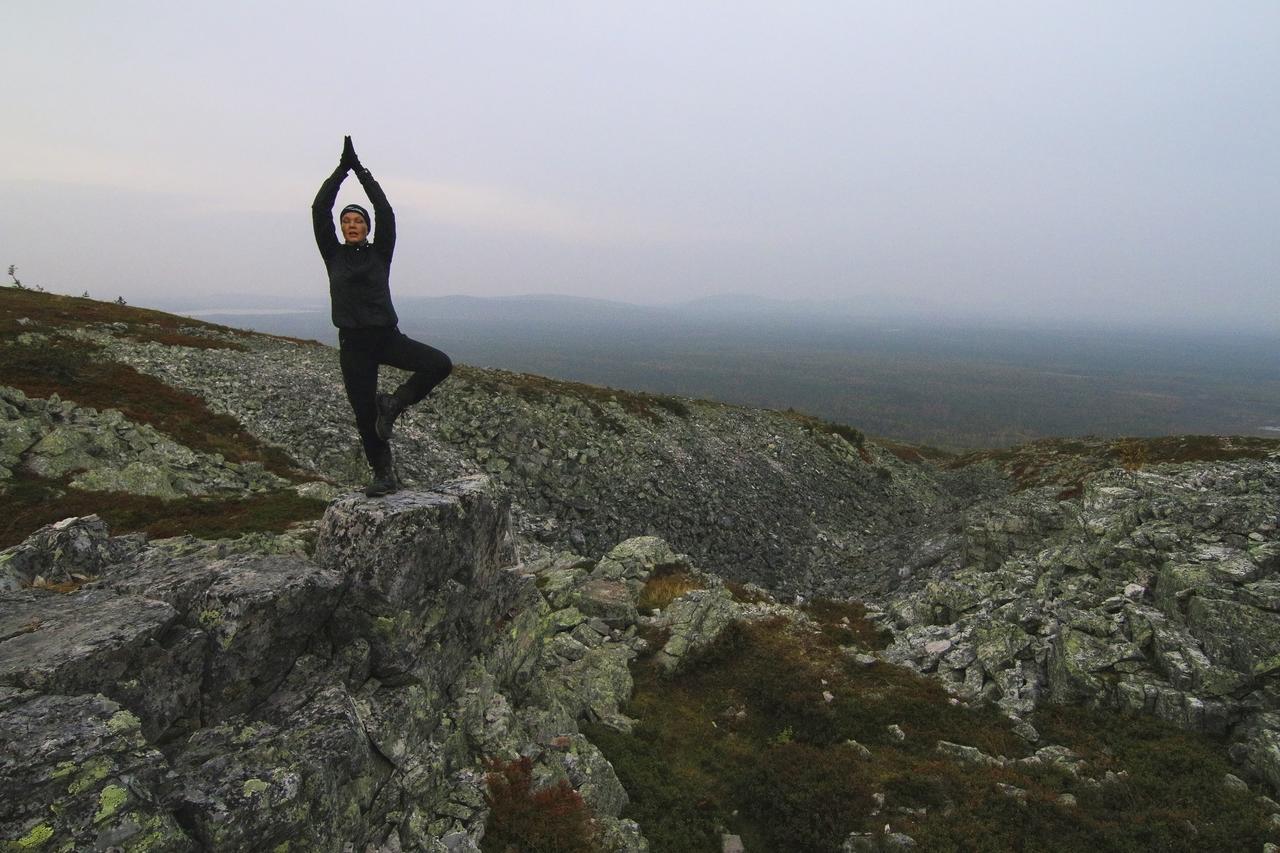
322 212
383 215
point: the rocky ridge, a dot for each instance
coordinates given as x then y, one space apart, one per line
106 452
192 697
755 495
1146 591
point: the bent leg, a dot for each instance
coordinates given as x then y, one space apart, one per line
430 367
360 377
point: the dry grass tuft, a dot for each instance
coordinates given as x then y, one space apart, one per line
664 587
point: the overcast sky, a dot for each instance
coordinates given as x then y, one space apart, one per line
1076 159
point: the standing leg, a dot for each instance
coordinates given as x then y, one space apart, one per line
430 367
360 377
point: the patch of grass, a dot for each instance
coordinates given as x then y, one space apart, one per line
664 586
817 426
708 742
746 739
553 819
1199 448
74 371
1066 462
916 454
846 623
32 502
537 389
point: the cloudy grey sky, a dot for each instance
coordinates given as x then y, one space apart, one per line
1079 159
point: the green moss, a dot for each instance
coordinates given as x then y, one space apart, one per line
110 800
254 786
122 722
91 773
64 768
39 834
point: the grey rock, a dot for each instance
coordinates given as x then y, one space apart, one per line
101 642
695 621
77 774
412 563
56 552
610 600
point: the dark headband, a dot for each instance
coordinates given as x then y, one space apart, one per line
355 208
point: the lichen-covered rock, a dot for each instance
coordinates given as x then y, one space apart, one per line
1236 635
256 615
76 773
1154 594
637 558
104 451
56 552
610 600
591 775
592 687
1261 747
99 641
307 781
413 563
695 620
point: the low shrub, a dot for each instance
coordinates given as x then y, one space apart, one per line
31 502
554 819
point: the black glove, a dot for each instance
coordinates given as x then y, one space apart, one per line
349 158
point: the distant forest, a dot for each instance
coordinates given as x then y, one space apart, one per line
948 385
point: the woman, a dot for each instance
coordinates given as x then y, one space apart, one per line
367 334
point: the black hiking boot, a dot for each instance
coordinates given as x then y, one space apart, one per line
389 408
384 477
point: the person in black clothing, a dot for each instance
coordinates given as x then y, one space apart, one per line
368 336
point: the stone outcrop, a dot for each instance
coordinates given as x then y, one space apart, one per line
106 452
1154 594
193 697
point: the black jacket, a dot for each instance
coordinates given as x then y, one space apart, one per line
359 275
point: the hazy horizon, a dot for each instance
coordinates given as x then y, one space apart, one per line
1083 163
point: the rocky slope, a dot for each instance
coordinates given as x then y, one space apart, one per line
757 495
344 681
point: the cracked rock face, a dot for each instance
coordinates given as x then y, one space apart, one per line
199 696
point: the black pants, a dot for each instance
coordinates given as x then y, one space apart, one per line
360 353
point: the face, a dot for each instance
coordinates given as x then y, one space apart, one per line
354 228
